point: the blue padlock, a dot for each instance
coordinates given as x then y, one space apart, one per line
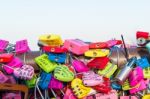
44 80
143 62
116 86
59 58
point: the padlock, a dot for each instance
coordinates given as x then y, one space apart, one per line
143 62
6 57
97 45
25 72
111 43
126 85
21 46
116 86
3 45
96 53
51 39
124 73
45 63
16 95
98 63
91 79
55 84
54 49
59 58
44 80
142 86
11 79
146 72
136 76
79 90
63 73
146 96
104 87
111 95
108 71
15 62
3 78
69 94
76 46
79 65
32 82
142 37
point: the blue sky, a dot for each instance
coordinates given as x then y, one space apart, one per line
91 20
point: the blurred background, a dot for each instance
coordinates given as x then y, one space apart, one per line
89 20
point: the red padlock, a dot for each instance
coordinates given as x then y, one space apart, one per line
54 49
6 57
98 45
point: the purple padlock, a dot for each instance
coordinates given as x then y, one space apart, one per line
136 76
15 63
21 46
16 95
3 78
3 45
55 84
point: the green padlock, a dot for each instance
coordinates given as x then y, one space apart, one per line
31 83
45 63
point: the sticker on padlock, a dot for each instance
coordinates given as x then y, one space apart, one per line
25 72
108 71
90 78
45 63
142 37
54 49
55 84
62 73
80 90
111 95
96 45
45 80
96 53
143 62
15 62
15 95
21 46
31 83
76 46
136 76
98 63
3 45
141 86
3 78
146 72
6 57
51 39
112 43
59 58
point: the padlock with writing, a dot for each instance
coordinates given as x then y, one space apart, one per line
146 72
3 45
54 49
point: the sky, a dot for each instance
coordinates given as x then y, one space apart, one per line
89 20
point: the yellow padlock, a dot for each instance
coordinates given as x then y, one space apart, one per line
146 72
51 39
97 53
146 96
108 71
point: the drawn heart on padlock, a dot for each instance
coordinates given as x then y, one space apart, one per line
63 73
91 79
80 90
25 72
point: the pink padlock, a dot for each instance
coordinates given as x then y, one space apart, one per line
3 78
76 46
26 72
55 84
69 94
11 80
128 97
79 66
140 87
110 95
21 46
3 45
16 95
15 63
136 76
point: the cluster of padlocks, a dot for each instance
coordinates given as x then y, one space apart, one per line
74 69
